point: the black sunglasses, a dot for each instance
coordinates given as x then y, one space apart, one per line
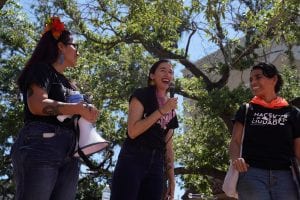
73 44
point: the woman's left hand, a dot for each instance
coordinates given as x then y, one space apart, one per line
170 191
240 164
89 112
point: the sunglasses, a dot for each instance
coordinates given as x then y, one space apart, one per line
73 44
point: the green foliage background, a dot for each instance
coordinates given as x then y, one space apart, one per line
120 39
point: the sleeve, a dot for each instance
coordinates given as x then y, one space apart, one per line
240 114
39 74
296 122
140 94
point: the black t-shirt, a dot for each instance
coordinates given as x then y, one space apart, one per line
269 135
154 137
56 85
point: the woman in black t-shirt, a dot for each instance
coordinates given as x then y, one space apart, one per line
271 139
151 119
42 156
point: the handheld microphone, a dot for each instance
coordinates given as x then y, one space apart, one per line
172 89
172 92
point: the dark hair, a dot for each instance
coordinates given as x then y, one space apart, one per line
154 67
269 70
46 51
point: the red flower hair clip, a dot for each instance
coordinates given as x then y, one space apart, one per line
54 25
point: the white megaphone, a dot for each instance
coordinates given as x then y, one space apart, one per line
90 140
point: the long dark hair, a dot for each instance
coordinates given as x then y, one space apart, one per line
154 67
46 51
269 70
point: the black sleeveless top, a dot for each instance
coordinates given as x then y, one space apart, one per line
154 137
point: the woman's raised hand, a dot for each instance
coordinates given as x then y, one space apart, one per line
170 105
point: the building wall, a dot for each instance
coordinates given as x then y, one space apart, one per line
274 54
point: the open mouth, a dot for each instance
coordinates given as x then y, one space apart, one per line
166 81
255 89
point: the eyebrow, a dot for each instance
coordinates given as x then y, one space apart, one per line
166 68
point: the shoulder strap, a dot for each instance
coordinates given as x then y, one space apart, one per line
296 108
245 119
295 115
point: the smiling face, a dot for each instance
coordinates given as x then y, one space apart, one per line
261 85
163 75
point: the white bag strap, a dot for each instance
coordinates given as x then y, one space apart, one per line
245 119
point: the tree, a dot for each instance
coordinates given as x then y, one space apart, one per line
124 37
2 3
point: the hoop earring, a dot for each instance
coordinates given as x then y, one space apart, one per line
61 58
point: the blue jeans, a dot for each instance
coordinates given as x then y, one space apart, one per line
43 166
260 184
138 174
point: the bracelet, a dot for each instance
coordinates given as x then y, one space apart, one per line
160 112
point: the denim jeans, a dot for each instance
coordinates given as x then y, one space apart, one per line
138 174
43 166
260 184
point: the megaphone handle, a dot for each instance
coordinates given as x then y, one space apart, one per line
61 118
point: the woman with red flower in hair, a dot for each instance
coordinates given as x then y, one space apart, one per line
42 156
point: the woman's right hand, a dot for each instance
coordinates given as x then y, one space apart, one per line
89 112
240 164
170 105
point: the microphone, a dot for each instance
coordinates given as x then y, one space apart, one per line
172 89
172 92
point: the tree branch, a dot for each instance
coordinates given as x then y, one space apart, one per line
186 95
2 3
209 171
196 72
156 49
189 40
